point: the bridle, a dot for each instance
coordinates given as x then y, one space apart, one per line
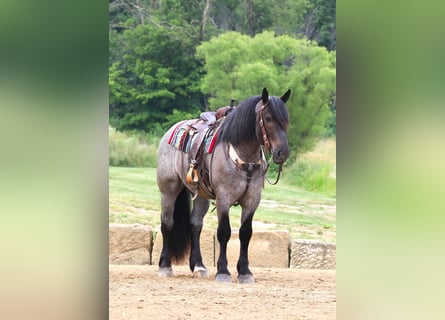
263 128
266 142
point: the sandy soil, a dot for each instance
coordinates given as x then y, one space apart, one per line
136 292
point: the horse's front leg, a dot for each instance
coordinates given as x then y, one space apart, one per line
223 233
200 207
245 234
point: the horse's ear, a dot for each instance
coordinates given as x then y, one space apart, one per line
265 96
285 96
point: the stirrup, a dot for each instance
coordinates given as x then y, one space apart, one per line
192 174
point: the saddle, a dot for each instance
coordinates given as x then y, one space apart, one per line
196 137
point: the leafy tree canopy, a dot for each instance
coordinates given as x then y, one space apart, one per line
155 73
171 59
239 66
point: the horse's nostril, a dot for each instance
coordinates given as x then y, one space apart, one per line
281 155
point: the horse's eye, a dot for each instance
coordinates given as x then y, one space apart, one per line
268 119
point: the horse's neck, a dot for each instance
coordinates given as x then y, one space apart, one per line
249 151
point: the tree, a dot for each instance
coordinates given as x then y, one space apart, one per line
155 73
205 18
319 23
239 66
153 68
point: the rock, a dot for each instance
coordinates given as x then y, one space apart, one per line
266 249
129 244
311 254
207 248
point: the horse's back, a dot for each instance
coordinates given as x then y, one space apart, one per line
164 149
166 171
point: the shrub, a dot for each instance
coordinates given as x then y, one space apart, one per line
132 149
312 176
315 170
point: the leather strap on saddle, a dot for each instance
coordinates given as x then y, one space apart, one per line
194 153
197 132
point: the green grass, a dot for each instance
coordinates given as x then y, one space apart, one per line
315 170
134 198
132 149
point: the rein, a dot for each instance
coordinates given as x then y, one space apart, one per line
280 167
278 177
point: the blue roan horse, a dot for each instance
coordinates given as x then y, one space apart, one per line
232 172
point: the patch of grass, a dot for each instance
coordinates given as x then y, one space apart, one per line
315 171
135 198
313 176
131 149
324 151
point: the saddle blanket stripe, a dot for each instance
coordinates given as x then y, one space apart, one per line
174 134
210 141
181 139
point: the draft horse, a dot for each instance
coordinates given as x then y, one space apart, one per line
235 171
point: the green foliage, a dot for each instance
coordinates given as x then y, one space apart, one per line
131 150
177 116
154 70
155 73
314 171
239 66
332 121
312 176
310 19
319 22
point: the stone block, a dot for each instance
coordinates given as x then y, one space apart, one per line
129 244
207 248
266 249
311 254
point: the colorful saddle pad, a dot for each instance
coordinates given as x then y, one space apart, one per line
189 135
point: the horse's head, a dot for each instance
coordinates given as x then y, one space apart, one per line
273 120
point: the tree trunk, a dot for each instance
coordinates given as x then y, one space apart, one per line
140 13
205 17
250 9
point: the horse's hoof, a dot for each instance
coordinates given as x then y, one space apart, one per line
246 278
165 272
200 272
223 277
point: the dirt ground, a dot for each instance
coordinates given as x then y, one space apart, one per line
136 292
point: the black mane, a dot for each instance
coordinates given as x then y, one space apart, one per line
240 124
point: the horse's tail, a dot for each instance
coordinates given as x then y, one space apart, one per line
180 236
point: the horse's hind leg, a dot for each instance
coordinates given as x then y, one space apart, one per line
200 207
168 200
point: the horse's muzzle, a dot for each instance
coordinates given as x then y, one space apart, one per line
280 155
